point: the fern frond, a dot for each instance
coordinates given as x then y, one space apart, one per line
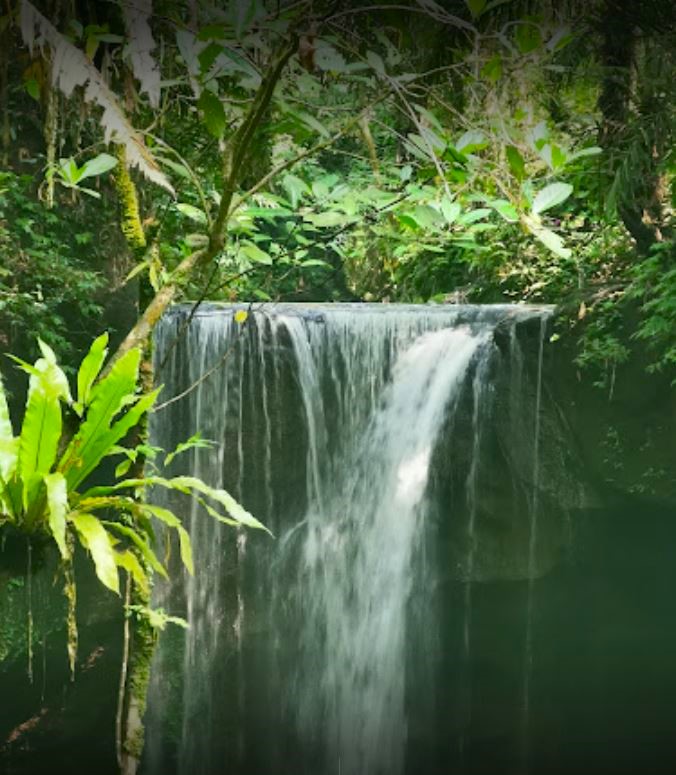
141 46
71 68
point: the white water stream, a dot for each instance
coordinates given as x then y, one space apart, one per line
351 399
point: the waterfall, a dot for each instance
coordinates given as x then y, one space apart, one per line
330 423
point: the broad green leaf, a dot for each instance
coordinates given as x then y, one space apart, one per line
473 140
40 431
90 368
516 162
552 195
9 445
57 510
492 70
473 215
548 238
254 253
92 440
129 561
476 7
213 113
192 212
506 209
528 37
97 166
450 210
94 537
327 218
553 241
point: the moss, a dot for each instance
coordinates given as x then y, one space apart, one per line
143 647
130 218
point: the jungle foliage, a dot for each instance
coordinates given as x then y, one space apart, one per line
48 473
457 151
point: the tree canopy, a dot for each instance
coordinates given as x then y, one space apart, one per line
417 151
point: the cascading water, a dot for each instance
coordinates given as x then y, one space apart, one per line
331 424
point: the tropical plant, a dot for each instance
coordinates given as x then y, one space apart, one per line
47 475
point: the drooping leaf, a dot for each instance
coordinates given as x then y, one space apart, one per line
129 561
140 543
550 196
57 509
94 537
170 519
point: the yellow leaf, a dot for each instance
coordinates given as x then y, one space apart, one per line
241 315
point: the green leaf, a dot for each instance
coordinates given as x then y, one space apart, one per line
196 441
90 368
516 163
140 543
552 195
40 431
450 210
593 150
97 166
473 215
57 510
129 561
170 519
296 188
9 445
94 440
188 485
194 213
94 537
473 140
492 70
476 7
254 253
506 209
528 37
327 218
548 238
213 113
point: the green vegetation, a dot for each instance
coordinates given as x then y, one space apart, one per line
420 151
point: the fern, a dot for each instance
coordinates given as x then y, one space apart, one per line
140 47
70 69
